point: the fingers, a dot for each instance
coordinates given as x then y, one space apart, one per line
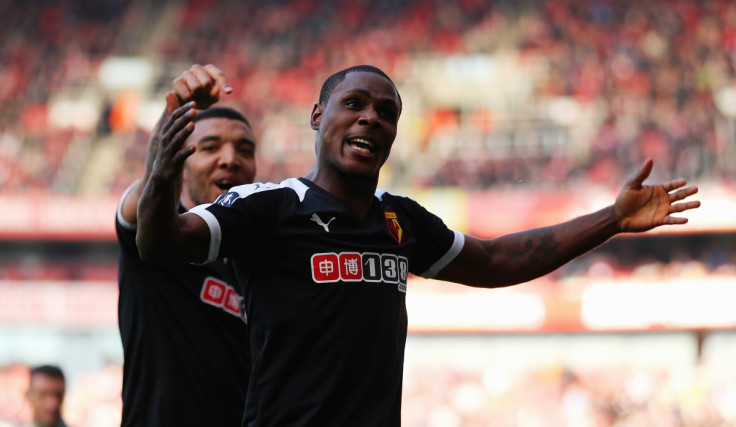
681 207
673 220
199 77
179 117
175 133
192 85
638 179
683 193
202 84
674 184
182 88
172 103
219 76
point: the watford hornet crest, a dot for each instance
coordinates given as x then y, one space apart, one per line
393 226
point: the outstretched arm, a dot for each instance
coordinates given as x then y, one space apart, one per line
519 257
202 84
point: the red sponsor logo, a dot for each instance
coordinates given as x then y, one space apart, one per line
351 268
325 267
330 267
232 302
220 294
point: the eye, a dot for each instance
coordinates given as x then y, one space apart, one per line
388 114
352 103
246 152
245 148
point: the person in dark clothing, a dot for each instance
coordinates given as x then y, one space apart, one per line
46 390
183 330
324 259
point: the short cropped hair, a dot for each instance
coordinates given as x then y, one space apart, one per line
221 112
331 83
48 370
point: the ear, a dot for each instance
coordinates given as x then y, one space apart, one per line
316 116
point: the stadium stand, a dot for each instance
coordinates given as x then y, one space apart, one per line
535 94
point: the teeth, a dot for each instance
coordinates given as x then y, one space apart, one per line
368 144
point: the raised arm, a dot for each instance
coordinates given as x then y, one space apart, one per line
129 204
200 83
519 257
164 236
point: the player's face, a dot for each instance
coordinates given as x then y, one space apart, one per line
357 127
45 395
225 157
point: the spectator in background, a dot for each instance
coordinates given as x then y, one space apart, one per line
182 328
46 395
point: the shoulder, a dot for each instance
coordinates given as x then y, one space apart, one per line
397 201
384 195
245 191
406 209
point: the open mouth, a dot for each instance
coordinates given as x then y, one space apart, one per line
362 145
224 184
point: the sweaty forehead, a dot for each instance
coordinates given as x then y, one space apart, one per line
369 83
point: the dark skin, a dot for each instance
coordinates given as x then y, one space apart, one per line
203 84
46 396
354 134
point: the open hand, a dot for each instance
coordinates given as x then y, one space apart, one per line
172 153
642 207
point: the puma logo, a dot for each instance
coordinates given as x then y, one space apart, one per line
319 222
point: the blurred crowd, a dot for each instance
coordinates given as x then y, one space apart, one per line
656 258
613 82
46 49
452 395
651 70
625 395
34 267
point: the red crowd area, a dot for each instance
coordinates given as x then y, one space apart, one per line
643 77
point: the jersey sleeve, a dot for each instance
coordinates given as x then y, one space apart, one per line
125 230
215 231
458 240
437 245
237 219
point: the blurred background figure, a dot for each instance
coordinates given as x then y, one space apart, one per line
45 394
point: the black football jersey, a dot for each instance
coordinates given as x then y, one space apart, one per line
184 341
325 297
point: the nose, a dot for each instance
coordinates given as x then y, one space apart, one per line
228 156
370 117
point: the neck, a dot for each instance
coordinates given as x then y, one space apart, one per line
356 192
